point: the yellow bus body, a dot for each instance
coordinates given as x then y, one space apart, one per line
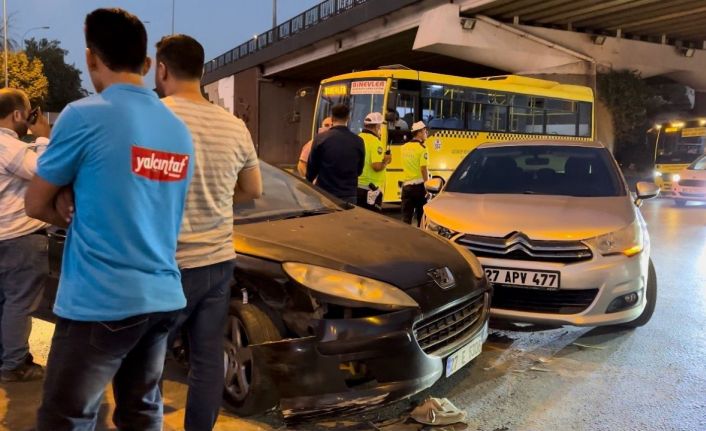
447 148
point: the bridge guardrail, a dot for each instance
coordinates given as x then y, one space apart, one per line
301 22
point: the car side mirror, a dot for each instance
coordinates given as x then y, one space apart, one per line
646 190
434 185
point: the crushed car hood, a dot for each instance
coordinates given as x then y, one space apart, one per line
537 216
356 241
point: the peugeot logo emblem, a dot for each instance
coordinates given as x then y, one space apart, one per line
443 277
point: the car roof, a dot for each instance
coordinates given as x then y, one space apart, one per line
547 142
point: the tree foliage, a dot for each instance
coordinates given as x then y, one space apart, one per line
627 96
26 75
64 79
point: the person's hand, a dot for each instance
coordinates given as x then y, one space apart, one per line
41 127
64 203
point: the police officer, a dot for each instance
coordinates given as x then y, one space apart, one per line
415 159
371 181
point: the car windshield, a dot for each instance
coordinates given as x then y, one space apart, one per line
698 165
538 169
283 196
679 146
361 96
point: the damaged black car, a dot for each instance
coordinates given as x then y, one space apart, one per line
337 308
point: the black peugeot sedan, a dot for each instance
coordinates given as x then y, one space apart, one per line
337 308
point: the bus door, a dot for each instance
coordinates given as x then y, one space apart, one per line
402 112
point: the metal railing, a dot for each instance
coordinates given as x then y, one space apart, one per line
305 20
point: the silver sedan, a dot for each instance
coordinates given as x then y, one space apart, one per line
556 229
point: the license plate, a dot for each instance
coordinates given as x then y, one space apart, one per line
523 277
466 353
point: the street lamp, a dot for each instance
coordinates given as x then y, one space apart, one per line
4 36
173 6
44 27
274 13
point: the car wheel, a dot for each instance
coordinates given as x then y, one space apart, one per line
651 293
244 390
680 202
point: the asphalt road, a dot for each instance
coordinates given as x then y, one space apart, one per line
652 378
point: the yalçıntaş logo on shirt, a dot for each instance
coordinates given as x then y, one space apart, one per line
159 165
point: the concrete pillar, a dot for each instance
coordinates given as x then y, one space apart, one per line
285 119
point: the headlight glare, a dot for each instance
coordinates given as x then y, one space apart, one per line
676 178
658 174
339 285
627 241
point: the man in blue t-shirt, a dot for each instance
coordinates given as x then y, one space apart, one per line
128 160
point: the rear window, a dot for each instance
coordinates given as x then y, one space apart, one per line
537 169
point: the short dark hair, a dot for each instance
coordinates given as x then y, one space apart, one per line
340 112
118 38
12 100
183 55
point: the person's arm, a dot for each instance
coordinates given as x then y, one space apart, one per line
301 168
423 162
23 163
303 158
40 202
378 159
361 155
49 197
249 185
20 158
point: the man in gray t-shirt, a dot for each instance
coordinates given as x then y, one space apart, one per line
225 164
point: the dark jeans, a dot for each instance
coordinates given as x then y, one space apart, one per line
23 267
207 291
414 197
363 201
85 356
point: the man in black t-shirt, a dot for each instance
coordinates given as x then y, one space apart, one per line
337 157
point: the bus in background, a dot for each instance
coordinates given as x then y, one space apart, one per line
678 144
461 113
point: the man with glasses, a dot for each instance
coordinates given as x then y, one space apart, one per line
23 240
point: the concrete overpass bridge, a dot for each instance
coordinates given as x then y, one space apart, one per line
563 40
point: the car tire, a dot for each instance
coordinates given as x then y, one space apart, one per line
680 202
245 392
651 294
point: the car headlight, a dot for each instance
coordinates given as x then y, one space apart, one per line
333 284
627 241
676 178
440 230
657 174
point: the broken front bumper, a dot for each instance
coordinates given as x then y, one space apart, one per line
354 364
